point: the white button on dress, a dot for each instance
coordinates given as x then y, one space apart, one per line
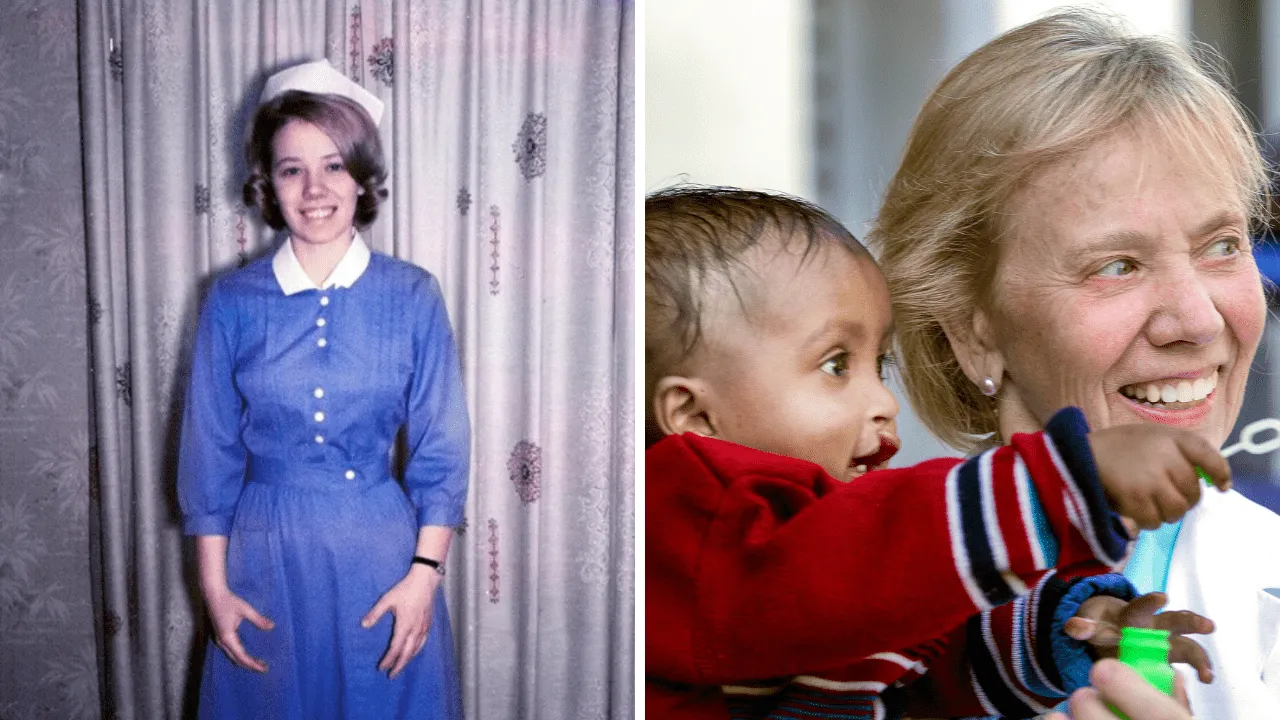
351 474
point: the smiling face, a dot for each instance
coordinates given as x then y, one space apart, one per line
1126 287
317 195
797 371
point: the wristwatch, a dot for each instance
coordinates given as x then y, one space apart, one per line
433 564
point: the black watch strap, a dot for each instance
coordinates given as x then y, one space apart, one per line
433 564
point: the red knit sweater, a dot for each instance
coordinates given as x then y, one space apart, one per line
766 579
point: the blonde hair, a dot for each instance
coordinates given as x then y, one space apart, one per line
1017 105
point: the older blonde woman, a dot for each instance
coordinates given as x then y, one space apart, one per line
1070 226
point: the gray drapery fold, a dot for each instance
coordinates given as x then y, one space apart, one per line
509 138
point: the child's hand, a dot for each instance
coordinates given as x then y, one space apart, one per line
1099 619
1149 471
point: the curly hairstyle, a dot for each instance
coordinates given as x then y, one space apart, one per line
344 121
1028 99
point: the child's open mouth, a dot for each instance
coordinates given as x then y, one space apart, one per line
876 460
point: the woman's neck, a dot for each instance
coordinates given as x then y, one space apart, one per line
1013 416
319 260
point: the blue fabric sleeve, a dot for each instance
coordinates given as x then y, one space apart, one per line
438 430
1072 657
212 456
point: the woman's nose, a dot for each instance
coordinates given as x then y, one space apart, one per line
1186 311
311 186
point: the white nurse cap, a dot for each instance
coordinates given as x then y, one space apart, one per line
319 76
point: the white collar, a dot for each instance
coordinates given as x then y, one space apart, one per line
293 279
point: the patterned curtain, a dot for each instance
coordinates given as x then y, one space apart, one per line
509 136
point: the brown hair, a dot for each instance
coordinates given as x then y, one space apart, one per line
1020 103
349 127
695 235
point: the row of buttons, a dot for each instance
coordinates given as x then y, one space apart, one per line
319 391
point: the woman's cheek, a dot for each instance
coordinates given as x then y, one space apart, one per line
1243 305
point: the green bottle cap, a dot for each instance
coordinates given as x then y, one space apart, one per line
1147 651
1204 476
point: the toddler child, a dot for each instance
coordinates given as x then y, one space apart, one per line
786 572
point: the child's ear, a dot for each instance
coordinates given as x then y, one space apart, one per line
679 406
975 348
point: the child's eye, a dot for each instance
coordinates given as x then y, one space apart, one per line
836 365
1118 268
883 363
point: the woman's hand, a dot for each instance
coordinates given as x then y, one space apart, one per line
1149 471
1123 688
410 601
226 610
1100 618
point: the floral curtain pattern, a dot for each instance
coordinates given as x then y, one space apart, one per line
509 139
48 660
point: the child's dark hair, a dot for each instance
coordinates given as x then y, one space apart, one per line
695 232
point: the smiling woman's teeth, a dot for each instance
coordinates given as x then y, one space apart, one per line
860 468
318 214
1182 392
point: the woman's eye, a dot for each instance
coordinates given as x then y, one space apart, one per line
336 167
883 363
289 172
1225 247
1118 268
836 366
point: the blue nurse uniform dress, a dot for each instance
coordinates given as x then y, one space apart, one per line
297 394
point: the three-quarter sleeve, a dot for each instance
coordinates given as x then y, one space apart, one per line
212 456
438 430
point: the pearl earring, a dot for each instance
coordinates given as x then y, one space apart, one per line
988 386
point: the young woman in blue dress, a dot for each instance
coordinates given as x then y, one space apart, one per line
321 573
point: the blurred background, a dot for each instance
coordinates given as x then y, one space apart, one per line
815 98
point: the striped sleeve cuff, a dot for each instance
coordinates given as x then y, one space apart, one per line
1002 534
1006 659
1071 657
1060 464
1016 511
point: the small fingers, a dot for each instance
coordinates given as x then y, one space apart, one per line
1082 629
1173 502
1186 650
1182 622
1202 454
1141 611
1144 513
